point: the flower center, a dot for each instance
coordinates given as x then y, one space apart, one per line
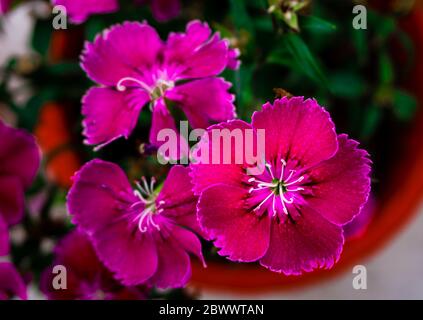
161 83
147 205
280 191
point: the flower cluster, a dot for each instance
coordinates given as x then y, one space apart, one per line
19 162
290 217
131 237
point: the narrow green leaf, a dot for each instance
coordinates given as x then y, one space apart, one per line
371 121
404 104
302 55
386 69
347 84
240 15
316 24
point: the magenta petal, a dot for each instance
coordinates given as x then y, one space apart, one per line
189 242
99 200
110 114
99 195
309 243
239 234
130 254
11 199
204 109
4 238
11 283
80 10
19 154
179 203
204 172
233 61
174 268
358 226
297 128
5 6
163 120
342 183
197 54
164 10
179 206
120 52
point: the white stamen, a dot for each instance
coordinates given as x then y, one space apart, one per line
143 85
152 182
293 182
282 169
151 220
294 190
270 170
139 195
146 186
143 214
261 203
290 175
145 192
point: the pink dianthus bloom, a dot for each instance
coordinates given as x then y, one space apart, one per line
142 236
5 6
86 277
11 283
19 162
290 217
135 67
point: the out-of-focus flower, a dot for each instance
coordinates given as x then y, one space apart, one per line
55 139
87 278
19 162
358 226
11 283
80 10
141 236
163 10
5 6
134 67
233 61
289 217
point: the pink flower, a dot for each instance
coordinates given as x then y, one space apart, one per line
87 278
11 283
5 6
80 10
19 162
134 68
143 237
163 10
290 217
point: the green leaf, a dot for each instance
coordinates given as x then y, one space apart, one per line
347 84
360 40
404 104
303 57
371 121
28 116
386 69
41 36
240 15
316 24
